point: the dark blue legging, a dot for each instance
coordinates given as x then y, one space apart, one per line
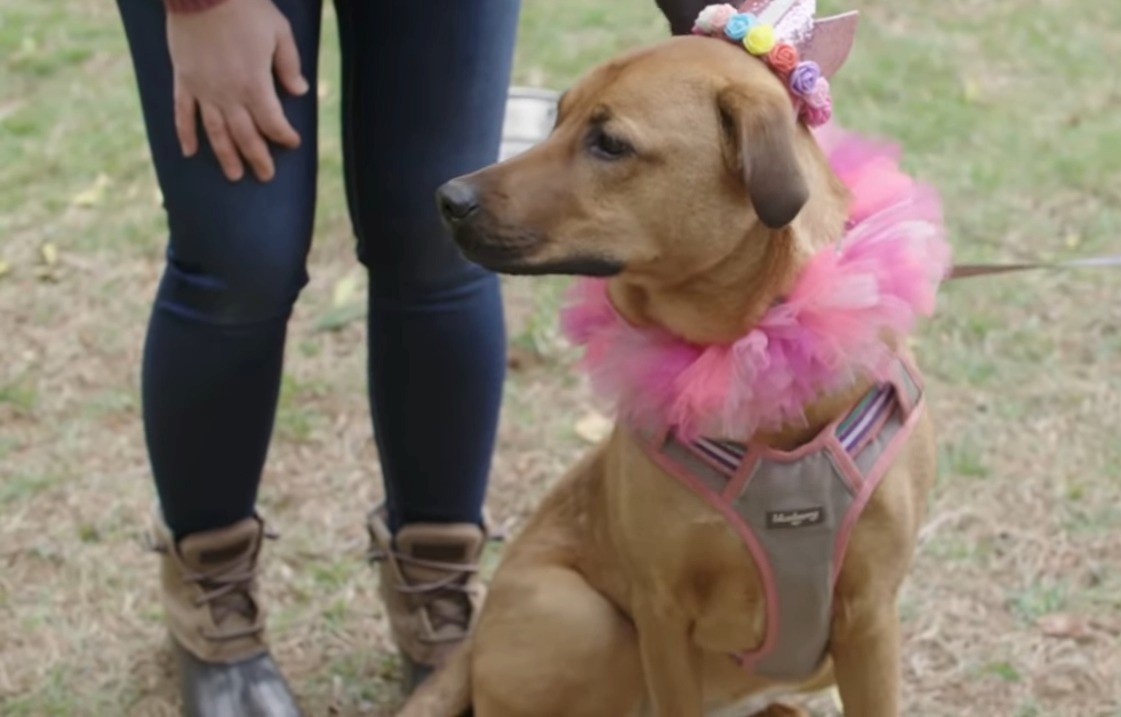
423 97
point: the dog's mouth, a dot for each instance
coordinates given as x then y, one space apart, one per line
510 249
521 253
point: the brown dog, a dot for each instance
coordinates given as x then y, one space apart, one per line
679 171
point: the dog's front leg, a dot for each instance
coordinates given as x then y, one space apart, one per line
866 656
671 662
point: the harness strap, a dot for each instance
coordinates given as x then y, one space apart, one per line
795 510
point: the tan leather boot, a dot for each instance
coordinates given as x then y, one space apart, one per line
217 624
430 587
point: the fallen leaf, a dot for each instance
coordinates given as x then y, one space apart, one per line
49 252
1064 625
94 194
344 291
593 427
970 90
520 357
836 695
1073 240
28 46
323 90
5 267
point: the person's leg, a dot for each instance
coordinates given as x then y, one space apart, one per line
235 265
424 99
212 362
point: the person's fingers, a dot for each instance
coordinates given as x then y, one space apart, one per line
220 141
269 118
250 142
286 63
186 123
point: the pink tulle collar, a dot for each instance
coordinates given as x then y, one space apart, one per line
828 330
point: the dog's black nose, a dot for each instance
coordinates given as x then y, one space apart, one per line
457 200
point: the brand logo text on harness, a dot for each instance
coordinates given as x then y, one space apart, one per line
800 518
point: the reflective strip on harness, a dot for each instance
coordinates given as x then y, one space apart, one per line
798 509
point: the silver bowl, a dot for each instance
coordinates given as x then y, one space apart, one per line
530 114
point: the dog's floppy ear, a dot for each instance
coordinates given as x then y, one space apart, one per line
760 135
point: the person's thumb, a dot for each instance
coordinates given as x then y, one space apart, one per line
287 64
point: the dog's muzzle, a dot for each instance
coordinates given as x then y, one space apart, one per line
475 232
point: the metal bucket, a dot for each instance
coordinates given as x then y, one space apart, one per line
530 114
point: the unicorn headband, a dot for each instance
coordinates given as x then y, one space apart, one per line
801 51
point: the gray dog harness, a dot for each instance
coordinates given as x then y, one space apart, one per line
795 511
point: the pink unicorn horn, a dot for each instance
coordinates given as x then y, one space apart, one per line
826 41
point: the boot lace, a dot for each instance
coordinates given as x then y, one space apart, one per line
227 591
445 599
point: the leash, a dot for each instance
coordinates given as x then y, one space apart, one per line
964 271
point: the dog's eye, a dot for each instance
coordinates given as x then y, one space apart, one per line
606 146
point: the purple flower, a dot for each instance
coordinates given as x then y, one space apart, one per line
804 77
738 25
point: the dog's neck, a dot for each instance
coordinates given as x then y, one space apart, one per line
723 299
713 307
717 304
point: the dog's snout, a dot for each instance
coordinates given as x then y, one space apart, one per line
457 200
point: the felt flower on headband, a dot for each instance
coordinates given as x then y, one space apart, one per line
819 104
783 58
738 25
801 50
819 96
713 19
804 77
760 39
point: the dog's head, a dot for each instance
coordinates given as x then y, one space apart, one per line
663 163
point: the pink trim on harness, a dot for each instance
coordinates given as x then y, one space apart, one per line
739 465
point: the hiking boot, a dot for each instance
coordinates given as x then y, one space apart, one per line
430 586
209 594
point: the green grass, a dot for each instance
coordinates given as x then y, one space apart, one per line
17 488
1038 599
19 395
964 459
1029 708
295 420
1003 670
8 445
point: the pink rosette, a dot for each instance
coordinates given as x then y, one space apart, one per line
819 96
712 19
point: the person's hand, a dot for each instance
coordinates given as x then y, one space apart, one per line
224 58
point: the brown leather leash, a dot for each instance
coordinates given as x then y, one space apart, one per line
964 271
